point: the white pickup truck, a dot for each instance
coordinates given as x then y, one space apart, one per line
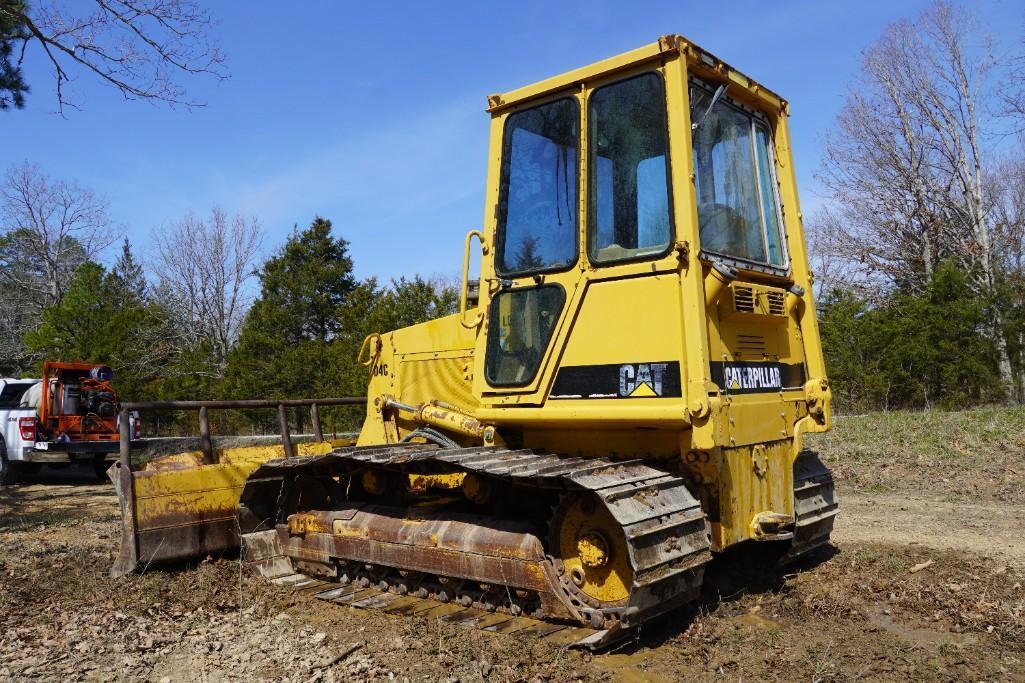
79 425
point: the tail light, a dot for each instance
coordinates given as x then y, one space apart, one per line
27 427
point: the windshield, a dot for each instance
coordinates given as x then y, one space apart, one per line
738 210
537 213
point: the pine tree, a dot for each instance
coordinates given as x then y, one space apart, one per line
302 335
84 325
303 286
282 351
911 349
128 274
12 31
96 323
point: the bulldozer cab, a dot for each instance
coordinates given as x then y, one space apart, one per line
644 261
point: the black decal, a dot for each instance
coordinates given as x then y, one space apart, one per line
619 380
747 377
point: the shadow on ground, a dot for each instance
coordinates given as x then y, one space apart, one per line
55 497
739 572
65 475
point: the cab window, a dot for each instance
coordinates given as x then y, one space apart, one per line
629 177
738 205
537 211
521 325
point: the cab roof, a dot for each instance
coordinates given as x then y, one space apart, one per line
699 60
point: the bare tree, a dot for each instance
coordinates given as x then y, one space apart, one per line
139 47
18 315
908 164
1006 188
1012 96
48 228
203 267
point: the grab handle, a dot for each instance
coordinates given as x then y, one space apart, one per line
478 316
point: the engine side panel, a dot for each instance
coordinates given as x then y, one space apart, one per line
417 364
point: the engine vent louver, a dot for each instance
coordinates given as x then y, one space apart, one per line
777 303
743 300
750 345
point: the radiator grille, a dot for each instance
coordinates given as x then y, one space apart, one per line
743 300
777 303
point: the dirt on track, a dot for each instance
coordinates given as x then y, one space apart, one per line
912 589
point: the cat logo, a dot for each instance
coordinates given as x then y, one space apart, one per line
641 379
618 381
752 378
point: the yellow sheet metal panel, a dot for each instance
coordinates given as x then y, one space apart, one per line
428 379
442 334
752 480
603 440
626 321
601 69
665 48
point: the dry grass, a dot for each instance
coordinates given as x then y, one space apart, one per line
969 455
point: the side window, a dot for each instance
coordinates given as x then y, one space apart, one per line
769 205
520 327
537 221
738 209
629 189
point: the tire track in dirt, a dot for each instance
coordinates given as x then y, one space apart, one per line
987 529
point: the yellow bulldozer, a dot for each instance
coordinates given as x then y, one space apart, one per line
622 397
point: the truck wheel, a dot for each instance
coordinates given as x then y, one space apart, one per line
8 470
100 466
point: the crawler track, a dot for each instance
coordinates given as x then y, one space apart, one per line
470 617
815 504
504 566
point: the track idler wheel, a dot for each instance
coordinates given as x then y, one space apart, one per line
590 552
478 489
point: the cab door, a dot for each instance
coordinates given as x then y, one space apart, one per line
532 274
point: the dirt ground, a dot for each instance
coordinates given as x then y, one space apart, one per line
920 584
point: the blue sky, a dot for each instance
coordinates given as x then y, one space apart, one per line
372 114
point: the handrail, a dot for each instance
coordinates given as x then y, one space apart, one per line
243 403
466 277
203 407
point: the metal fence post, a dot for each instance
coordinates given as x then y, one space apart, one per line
124 429
204 436
315 418
286 437
128 556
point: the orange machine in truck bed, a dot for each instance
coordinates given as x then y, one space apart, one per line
78 402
